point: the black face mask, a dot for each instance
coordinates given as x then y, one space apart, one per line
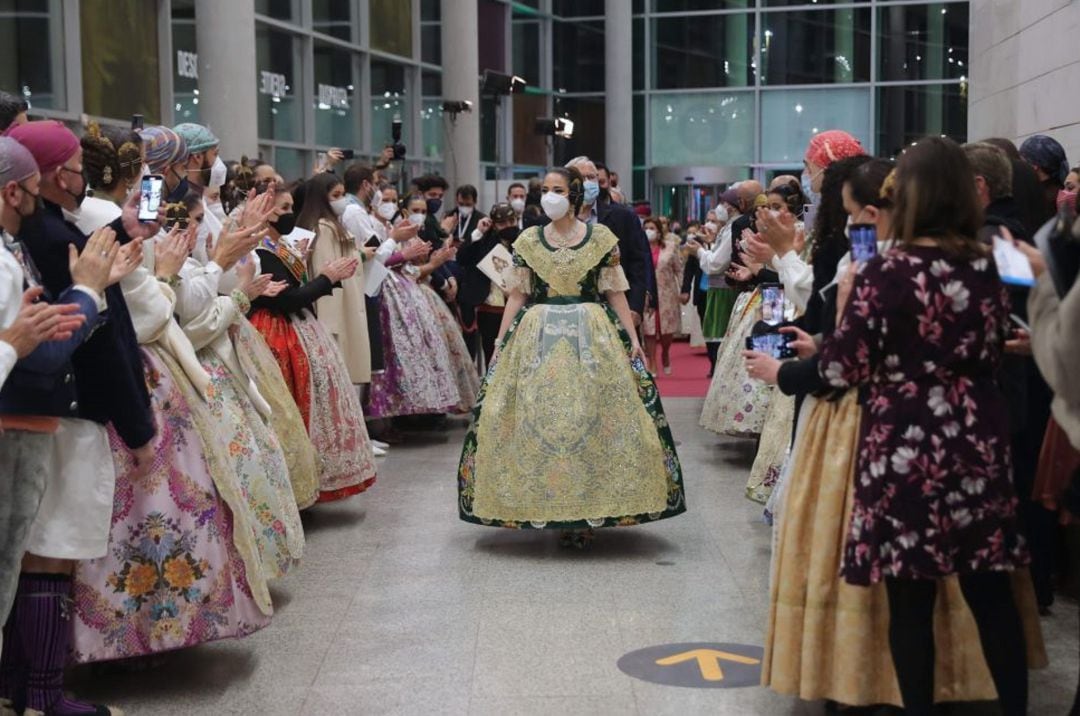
81 195
433 206
36 205
509 234
285 224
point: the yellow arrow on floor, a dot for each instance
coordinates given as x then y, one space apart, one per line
708 661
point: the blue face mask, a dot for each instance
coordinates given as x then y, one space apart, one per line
807 183
592 190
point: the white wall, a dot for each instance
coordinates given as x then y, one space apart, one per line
1025 71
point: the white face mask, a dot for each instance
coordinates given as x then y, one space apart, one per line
217 174
339 205
387 209
555 205
417 218
217 210
518 205
650 234
464 211
711 226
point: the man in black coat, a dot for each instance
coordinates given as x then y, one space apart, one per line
482 320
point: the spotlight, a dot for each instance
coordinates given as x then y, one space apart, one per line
554 127
494 84
457 106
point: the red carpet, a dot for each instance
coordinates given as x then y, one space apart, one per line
689 368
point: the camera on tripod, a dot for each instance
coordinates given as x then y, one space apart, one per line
395 136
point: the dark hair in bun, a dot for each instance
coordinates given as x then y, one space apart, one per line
112 156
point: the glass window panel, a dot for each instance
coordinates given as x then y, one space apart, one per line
637 53
789 3
578 8
389 99
589 127
391 26
431 118
32 52
689 5
639 130
525 46
923 42
431 84
790 117
709 51
277 60
431 31
815 46
487 130
336 117
120 71
291 164
702 128
578 52
333 17
279 9
905 114
185 62
529 147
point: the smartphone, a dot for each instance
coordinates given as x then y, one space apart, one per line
863 242
772 303
150 201
773 343
373 242
136 122
176 215
809 215
348 153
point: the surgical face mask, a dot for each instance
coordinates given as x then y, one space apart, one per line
518 205
592 190
285 223
464 211
338 206
807 183
417 218
217 174
650 234
554 205
218 210
712 226
387 209
433 206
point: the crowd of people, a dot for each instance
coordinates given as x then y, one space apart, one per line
176 389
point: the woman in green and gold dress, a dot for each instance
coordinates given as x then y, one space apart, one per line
568 431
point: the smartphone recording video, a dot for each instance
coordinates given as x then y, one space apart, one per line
772 303
863 242
150 200
774 343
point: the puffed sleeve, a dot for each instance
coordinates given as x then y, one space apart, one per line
612 277
518 276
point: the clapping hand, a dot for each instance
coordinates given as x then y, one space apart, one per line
170 253
415 250
40 322
128 258
449 223
93 267
340 269
778 231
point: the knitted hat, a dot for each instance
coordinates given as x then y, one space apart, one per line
826 147
1047 154
164 148
16 162
198 137
49 141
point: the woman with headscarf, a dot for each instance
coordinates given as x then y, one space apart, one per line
1047 157
182 567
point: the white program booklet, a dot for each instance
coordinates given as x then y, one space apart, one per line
1012 264
495 263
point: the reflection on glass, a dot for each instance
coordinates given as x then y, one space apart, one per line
525 46
578 8
790 117
431 84
388 100
529 147
588 114
906 114
815 46
391 26
709 51
923 42
702 128
277 61
578 56
431 31
810 2
332 17
185 62
291 164
279 9
120 59
32 53
431 118
335 98
681 5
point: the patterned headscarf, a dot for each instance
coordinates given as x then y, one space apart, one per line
164 148
16 162
829 146
198 137
1047 154
49 141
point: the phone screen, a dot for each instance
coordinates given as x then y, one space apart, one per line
772 303
774 344
150 200
863 242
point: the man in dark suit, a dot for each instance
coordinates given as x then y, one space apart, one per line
633 245
468 218
480 315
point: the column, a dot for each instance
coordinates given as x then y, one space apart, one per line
461 81
225 40
619 92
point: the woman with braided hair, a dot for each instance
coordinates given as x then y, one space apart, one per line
182 567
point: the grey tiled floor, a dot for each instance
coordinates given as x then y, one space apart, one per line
399 608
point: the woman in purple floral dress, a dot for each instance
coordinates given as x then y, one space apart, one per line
922 334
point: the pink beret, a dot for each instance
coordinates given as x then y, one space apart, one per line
49 141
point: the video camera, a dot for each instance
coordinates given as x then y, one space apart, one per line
395 135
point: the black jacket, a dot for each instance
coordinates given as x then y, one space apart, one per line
634 252
297 296
109 379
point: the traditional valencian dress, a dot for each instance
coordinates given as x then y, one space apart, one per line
567 432
315 373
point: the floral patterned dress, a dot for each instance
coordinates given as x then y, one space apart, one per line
567 432
923 333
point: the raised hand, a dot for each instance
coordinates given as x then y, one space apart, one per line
170 253
127 260
92 267
40 322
